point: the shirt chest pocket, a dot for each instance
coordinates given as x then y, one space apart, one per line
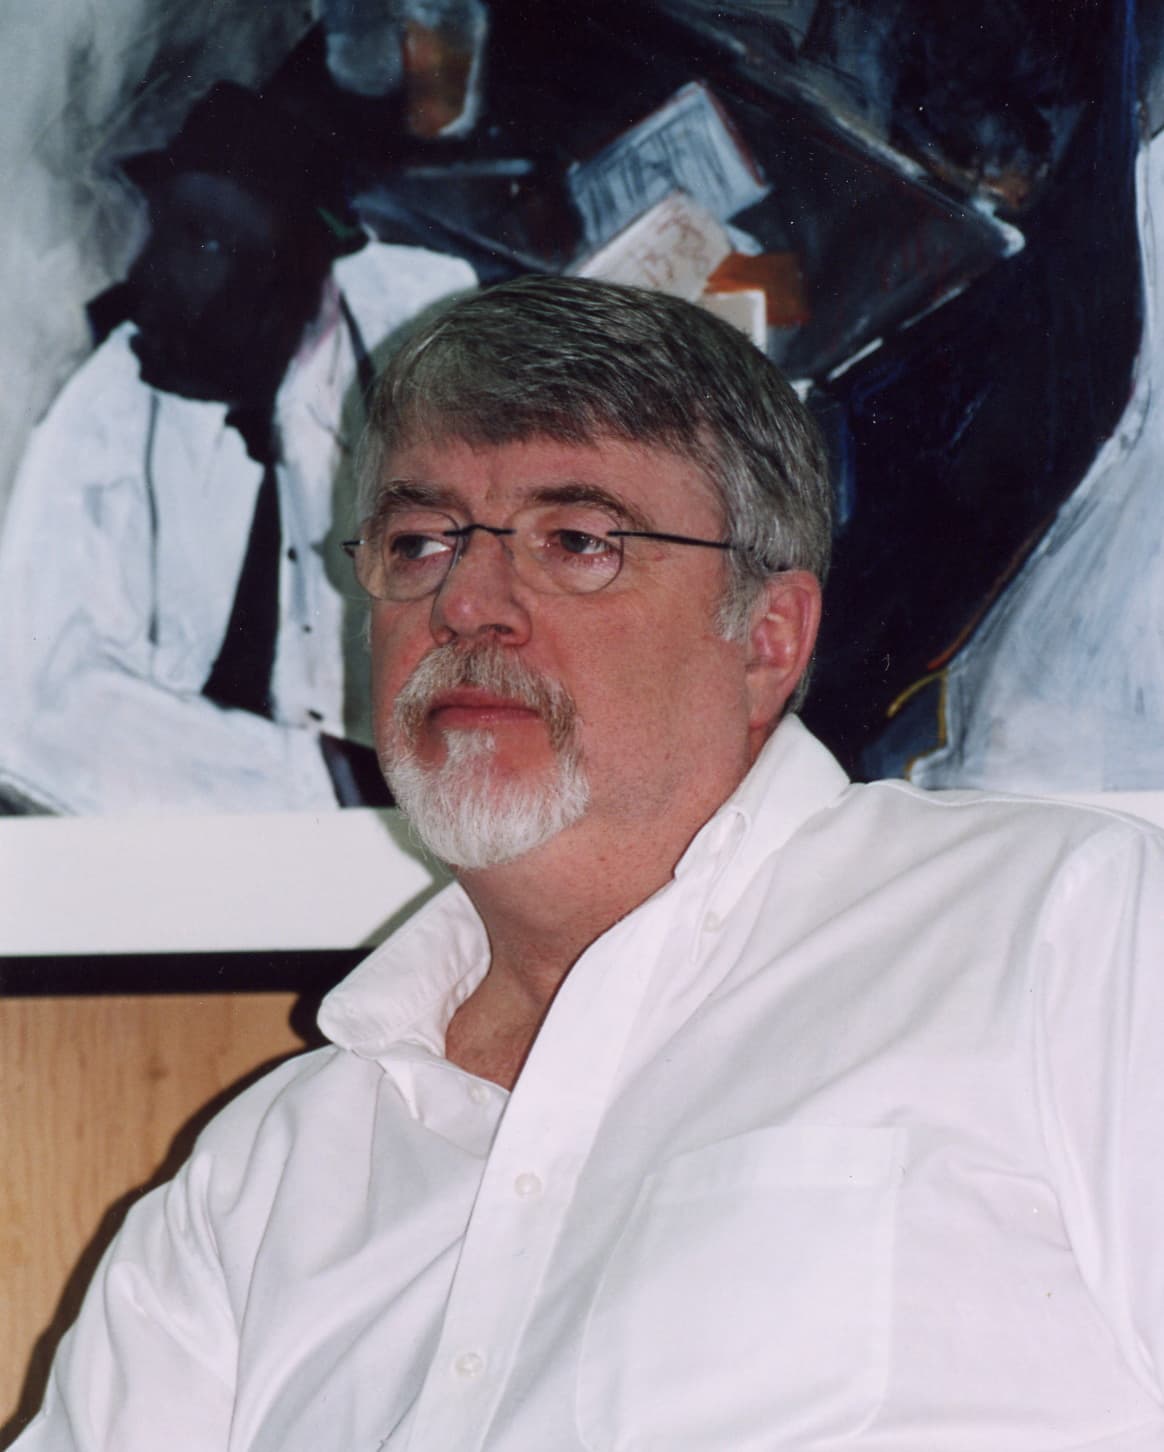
746 1302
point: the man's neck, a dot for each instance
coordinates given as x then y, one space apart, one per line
541 913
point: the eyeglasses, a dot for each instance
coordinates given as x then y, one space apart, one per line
406 552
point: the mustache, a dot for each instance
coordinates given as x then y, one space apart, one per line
488 667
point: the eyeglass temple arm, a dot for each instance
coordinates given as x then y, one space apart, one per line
682 539
350 546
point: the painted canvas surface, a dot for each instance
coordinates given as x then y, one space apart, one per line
935 218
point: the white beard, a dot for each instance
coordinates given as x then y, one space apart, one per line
460 810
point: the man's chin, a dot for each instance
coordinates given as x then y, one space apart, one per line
487 758
473 814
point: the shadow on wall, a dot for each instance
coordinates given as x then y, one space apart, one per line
302 1022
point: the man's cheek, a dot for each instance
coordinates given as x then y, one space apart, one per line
385 650
385 690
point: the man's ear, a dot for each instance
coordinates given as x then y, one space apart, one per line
781 638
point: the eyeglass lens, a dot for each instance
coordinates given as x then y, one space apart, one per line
406 553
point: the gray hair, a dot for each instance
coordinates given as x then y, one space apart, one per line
577 360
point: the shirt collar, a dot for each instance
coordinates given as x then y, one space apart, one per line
792 779
410 987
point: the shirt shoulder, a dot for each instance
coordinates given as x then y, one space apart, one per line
268 1089
99 403
996 836
974 809
259 1123
100 426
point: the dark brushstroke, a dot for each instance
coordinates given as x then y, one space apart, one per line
969 430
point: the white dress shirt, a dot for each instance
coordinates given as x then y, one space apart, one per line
121 553
849 1136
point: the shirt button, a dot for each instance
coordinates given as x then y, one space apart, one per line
712 923
468 1365
478 1093
527 1186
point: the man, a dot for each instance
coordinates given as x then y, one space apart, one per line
171 638
720 1104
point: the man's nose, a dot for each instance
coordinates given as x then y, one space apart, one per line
478 596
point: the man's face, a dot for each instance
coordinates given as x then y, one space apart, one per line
219 304
657 705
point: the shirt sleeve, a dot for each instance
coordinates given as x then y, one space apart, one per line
117 742
151 1360
1100 1057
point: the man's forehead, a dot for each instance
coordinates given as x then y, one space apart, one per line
638 476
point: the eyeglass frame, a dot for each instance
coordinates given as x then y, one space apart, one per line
461 533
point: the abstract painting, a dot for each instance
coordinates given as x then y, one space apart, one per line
935 219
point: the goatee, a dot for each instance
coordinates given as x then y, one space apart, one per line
460 810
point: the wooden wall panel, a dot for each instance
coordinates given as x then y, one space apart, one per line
98 1098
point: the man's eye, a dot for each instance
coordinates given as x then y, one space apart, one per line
416 546
579 542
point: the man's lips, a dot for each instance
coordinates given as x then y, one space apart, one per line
467 707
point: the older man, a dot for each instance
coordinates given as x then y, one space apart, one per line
721 1104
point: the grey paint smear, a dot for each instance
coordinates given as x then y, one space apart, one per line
84 85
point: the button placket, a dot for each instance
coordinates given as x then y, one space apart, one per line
549 1121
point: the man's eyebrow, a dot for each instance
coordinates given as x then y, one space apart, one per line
427 495
579 492
414 491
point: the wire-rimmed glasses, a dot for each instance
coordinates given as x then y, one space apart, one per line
406 551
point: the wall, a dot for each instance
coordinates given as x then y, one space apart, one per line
101 1096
